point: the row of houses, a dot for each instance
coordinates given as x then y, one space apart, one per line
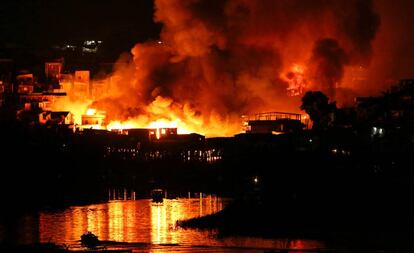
33 100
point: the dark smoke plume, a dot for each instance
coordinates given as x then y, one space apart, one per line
327 62
226 58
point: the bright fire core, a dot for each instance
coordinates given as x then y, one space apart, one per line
202 75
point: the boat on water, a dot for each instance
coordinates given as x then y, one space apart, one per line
157 195
92 244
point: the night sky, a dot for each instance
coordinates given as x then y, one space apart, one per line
44 22
123 23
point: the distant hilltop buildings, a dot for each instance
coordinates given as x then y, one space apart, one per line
33 98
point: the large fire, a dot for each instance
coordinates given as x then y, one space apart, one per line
161 113
218 60
296 80
182 128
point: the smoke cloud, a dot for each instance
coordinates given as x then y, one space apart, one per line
217 60
328 60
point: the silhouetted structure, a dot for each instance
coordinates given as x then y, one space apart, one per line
274 123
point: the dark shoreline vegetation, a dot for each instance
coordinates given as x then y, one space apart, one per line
339 230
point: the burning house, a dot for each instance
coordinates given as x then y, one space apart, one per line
53 70
201 76
25 83
58 118
81 84
93 119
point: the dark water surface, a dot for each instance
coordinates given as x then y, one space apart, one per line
147 226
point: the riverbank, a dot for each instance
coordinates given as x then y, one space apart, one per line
339 227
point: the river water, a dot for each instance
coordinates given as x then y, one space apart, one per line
143 226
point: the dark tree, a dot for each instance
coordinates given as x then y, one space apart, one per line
320 111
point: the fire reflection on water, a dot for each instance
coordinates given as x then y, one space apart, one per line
159 225
127 221
145 222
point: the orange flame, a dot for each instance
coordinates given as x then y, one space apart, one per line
296 80
208 70
90 111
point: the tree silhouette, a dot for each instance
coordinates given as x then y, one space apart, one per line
320 111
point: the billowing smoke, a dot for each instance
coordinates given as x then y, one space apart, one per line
219 59
393 51
359 24
327 68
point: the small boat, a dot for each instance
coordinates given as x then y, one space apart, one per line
90 240
94 245
157 196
